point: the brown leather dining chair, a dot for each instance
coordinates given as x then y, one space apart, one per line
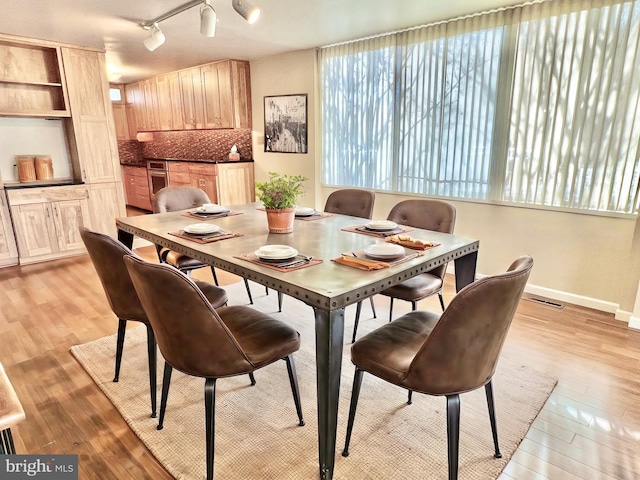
171 199
355 202
445 354
201 341
106 254
427 214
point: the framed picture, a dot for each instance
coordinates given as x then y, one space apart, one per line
285 124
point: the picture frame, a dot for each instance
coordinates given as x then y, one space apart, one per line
285 123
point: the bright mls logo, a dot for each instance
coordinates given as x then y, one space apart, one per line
50 467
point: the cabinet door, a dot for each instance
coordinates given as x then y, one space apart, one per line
206 183
35 230
105 205
128 180
120 121
241 87
93 127
192 101
236 183
218 95
68 217
135 98
8 248
151 104
169 102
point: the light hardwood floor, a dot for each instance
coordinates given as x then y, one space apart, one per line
589 428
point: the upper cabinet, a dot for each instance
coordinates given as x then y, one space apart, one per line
215 95
31 80
92 115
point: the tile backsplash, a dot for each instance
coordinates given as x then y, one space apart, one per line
189 145
199 144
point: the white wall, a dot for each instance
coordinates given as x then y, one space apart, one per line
584 259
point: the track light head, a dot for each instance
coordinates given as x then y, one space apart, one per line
246 10
208 19
155 38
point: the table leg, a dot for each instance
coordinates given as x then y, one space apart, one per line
466 270
126 238
329 344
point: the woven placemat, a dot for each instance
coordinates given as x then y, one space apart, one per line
251 257
376 233
201 216
216 237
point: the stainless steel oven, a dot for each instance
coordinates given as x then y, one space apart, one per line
158 171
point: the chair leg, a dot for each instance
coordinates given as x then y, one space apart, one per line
122 329
246 285
453 434
153 355
373 307
7 446
293 379
390 308
215 277
414 306
488 388
166 381
252 378
158 250
280 296
410 397
355 324
441 301
355 393
210 422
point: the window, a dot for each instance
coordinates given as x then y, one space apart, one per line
533 105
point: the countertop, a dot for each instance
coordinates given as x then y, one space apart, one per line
143 163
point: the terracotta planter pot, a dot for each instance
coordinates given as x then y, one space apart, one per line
280 221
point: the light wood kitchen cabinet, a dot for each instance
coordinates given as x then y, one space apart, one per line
236 184
169 102
136 187
150 94
8 248
218 100
47 221
106 203
92 120
134 95
31 79
192 98
241 94
199 175
120 121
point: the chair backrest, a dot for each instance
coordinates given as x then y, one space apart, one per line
351 201
169 199
106 254
190 334
463 348
428 214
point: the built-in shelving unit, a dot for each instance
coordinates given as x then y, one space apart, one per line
31 81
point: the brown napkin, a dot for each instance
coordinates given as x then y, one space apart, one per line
360 263
407 241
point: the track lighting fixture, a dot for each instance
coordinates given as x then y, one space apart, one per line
248 11
155 38
208 19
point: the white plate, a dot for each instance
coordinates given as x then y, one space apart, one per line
201 228
276 252
304 211
384 251
381 225
211 208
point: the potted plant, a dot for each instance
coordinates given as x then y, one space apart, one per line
279 195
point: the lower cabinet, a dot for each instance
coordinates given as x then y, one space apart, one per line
236 184
106 203
46 221
8 248
199 175
136 184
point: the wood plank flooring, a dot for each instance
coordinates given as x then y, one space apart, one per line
589 428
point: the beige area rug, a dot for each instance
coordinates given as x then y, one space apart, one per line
257 436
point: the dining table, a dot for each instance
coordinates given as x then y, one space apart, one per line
322 282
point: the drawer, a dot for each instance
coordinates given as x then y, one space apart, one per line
178 167
202 168
139 172
142 191
179 177
142 181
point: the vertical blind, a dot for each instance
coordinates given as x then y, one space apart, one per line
536 104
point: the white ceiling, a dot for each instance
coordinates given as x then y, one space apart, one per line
284 26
